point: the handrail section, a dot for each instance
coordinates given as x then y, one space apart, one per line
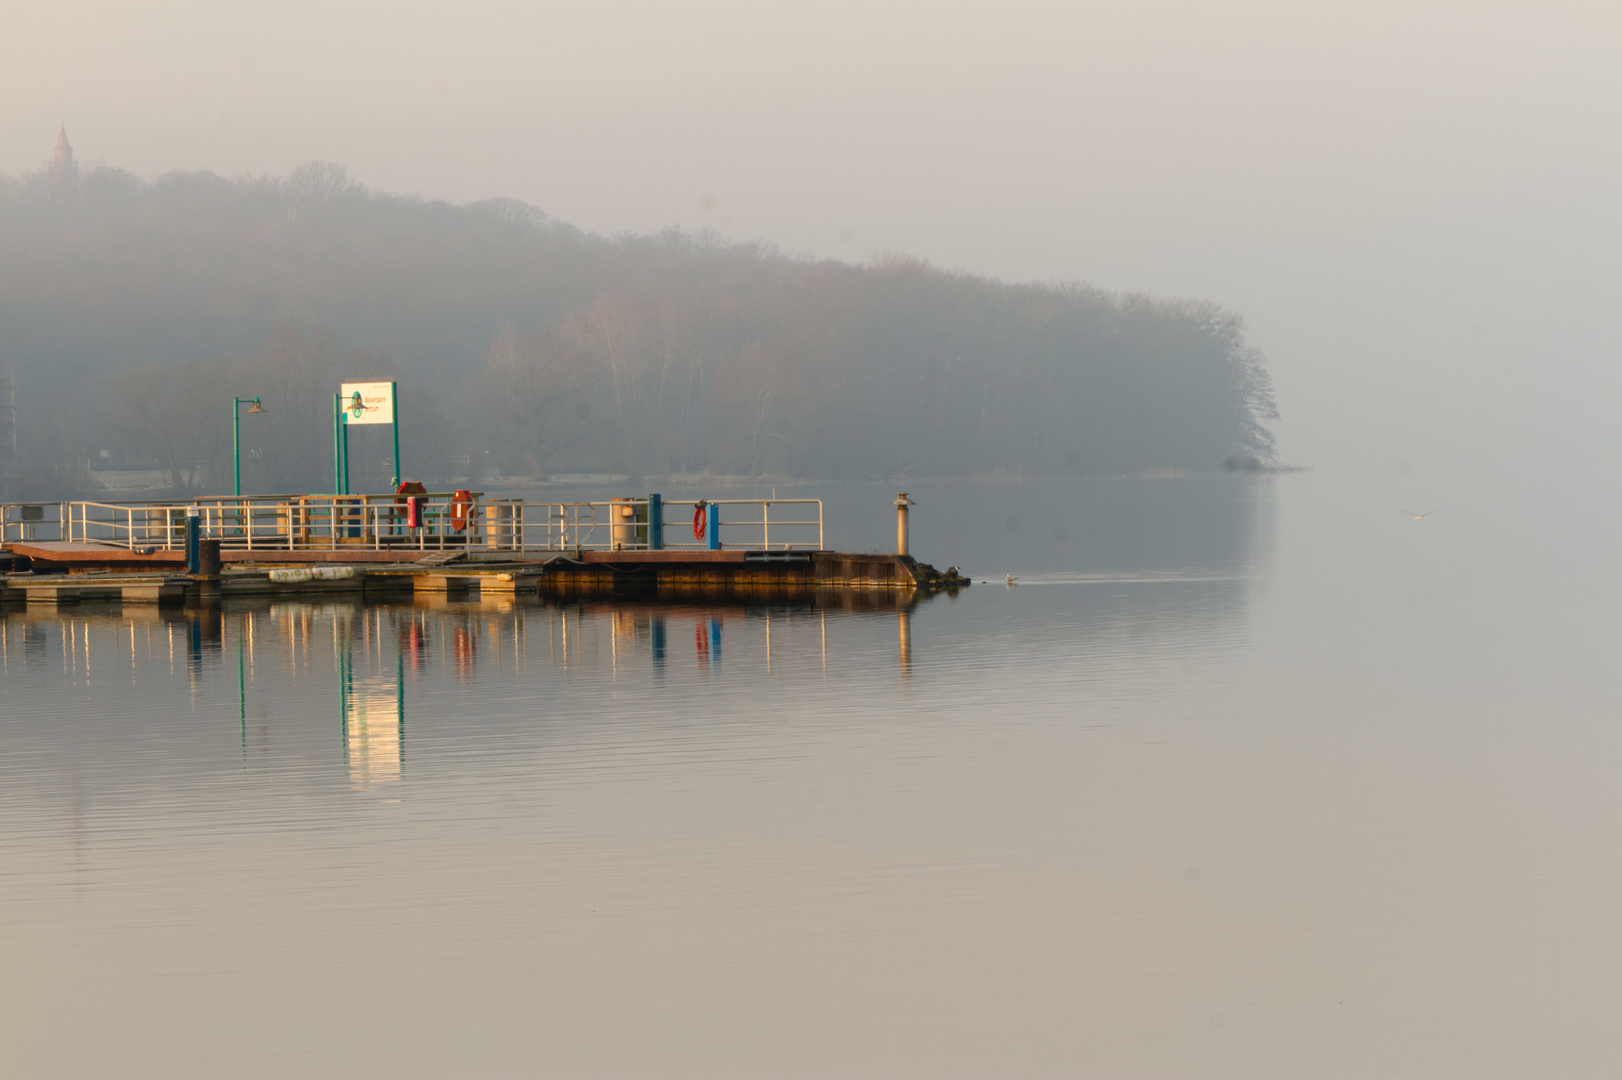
442 522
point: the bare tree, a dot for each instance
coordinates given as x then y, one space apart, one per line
531 389
319 181
175 415
613 329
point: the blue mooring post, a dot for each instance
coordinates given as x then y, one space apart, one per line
712 527
656 523
194 542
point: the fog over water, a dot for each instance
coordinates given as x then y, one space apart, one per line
1411 203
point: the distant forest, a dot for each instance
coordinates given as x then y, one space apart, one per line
131 312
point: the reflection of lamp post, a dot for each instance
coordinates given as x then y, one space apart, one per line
236 438
904 618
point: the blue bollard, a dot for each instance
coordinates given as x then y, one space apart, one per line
712 527
194 542
656 523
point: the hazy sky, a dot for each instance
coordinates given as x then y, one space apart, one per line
1415 206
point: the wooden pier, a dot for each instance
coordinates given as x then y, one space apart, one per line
138 554
61 573
73 588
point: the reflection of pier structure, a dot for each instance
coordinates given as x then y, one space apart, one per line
369 662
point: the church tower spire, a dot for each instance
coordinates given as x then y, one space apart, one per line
62 166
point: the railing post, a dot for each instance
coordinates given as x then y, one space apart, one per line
712 527
656 523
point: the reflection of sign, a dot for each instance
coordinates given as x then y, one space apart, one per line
374 734
368 402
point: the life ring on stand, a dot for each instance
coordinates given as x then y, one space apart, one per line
698 520
461 509
408 504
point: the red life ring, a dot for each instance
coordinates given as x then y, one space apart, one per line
698 522
461 509
406 507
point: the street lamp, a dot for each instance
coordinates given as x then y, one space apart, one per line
236 438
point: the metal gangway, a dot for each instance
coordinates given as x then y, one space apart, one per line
440 521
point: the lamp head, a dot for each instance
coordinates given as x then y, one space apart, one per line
256 407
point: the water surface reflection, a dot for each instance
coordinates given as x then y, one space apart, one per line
379 667
1338 806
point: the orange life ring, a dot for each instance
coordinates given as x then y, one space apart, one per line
461 509
698 522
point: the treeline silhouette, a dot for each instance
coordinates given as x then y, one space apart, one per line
131 312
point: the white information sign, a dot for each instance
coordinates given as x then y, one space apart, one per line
368 402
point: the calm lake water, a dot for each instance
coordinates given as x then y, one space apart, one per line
1245 777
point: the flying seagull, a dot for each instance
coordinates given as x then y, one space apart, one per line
1419 517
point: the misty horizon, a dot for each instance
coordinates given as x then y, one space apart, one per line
699 235
1407 204
871 538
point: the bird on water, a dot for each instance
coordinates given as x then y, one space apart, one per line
1009 579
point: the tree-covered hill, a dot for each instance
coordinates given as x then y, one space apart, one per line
131 312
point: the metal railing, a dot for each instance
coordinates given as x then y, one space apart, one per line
383 523
30 521
794 525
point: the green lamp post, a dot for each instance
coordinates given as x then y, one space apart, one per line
236 438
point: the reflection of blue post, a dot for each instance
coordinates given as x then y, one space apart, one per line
658 637
656 529
715 641
712 527
194 541
194 644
